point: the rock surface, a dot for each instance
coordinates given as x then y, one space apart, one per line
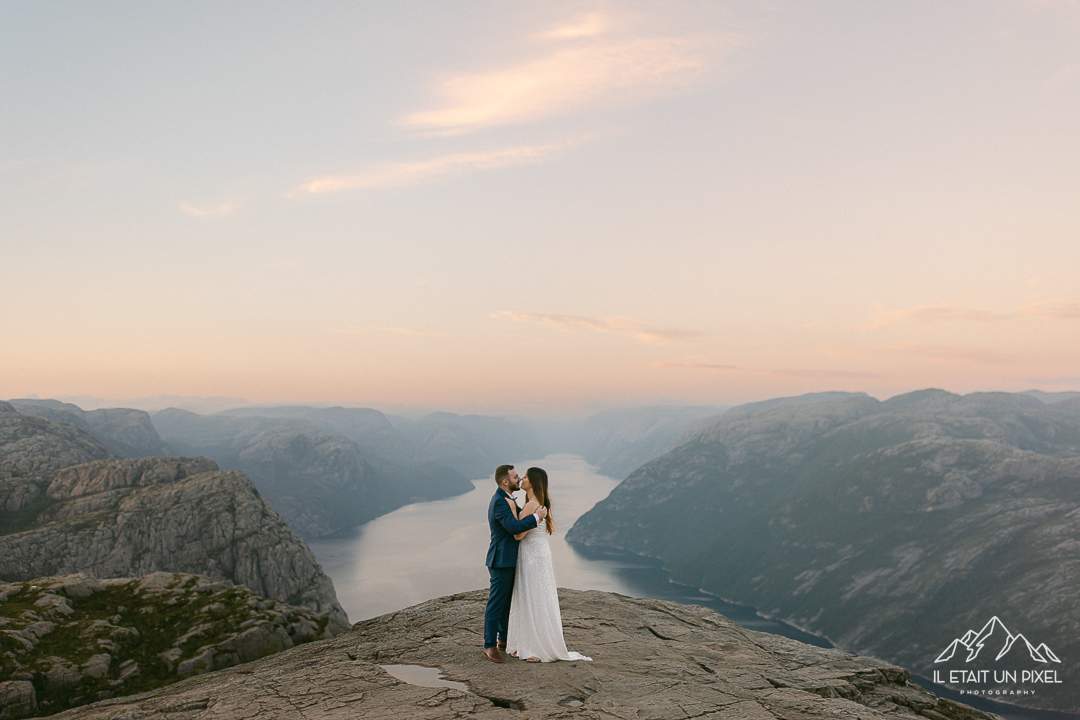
32 451
652 659
127 518
66 641
888 527
125 431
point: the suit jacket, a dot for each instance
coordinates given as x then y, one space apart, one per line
503 550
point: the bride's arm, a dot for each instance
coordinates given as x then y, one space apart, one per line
513 508
530 507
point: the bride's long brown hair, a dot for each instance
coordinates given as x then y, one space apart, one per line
539 481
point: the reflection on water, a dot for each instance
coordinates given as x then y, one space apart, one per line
432 549
422 676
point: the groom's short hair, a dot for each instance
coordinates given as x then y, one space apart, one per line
502 472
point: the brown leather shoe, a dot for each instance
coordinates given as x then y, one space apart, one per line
493 655
502 644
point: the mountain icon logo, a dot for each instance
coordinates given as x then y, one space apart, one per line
995 632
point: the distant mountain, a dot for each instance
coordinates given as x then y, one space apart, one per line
321 481
884 526
375 436
616 441
32 451
619 441
126 432
470 445
1054 397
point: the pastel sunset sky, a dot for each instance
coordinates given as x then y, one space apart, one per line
538 207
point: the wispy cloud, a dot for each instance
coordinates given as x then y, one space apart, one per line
208 210
586 63
932 314
1054 309
938 314
768 372
587 26
387 175
937 353
950 354
620 325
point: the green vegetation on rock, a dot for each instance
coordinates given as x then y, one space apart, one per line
75 639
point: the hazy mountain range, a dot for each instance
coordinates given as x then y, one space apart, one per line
618 442
326 469
889 527
329 469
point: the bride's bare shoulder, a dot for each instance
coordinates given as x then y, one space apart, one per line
530 507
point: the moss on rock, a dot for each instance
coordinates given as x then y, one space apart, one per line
77 639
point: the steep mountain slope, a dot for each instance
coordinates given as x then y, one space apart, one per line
618 442
126 432
32 451
124 518
889 527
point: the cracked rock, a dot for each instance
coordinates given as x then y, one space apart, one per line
652 659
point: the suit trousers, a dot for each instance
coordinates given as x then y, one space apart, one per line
497 614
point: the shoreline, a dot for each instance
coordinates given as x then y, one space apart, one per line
980 702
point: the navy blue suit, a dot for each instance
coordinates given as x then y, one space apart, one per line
502 563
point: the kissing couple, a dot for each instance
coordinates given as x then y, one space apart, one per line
522 615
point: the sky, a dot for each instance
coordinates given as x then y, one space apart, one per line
538 207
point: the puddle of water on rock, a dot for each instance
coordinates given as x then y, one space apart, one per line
423 676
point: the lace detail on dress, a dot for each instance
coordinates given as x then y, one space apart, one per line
535 628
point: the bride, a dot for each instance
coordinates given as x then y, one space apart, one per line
535 631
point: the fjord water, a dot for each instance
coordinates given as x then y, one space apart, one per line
430 549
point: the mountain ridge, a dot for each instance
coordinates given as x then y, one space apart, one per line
126 432
875 524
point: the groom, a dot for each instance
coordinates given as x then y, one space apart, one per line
502 558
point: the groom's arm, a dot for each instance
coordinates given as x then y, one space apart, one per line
505 517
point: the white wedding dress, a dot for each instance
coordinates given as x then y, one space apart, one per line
535 627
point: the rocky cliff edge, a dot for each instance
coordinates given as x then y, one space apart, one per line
128 518
652 659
